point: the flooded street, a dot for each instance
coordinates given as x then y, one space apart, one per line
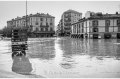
65 58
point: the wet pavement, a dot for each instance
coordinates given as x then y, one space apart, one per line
64 58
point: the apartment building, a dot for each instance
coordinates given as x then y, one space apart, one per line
69 17
40 25
97 26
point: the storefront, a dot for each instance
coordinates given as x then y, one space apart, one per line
118 35
107 35
95 36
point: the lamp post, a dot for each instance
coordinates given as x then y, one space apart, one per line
26 14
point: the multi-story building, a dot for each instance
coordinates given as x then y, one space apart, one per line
97 26
69 17
42 25
60 31
89 14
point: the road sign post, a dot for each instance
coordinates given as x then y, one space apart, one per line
19 42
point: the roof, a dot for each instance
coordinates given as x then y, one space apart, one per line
41 15
33 15
70 10
81 20
105 16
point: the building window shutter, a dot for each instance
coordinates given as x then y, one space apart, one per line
118 22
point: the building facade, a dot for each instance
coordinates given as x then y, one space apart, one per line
97 26
68 17
60 29
39 25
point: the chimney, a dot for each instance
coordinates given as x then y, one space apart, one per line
116 13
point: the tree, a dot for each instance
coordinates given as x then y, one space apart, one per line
7 31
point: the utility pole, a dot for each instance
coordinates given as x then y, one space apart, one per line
26 14
19 39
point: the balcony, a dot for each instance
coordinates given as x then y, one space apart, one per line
67 20
67 24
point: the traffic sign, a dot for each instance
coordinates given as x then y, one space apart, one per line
19 43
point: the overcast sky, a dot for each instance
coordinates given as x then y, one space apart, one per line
12 9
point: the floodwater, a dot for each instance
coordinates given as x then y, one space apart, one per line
64 57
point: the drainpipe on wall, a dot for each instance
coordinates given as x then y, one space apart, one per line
113 27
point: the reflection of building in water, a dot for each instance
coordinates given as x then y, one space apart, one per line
94 47
102 48
70 49
74 47
97 48
21 65
43 49
118 50
109 48
80 47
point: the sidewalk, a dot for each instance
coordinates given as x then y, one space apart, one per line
5 74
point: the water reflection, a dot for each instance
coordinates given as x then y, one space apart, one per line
102 48
95 48
70 48
68 62
66 56
21 65
74 47
118 50
42 49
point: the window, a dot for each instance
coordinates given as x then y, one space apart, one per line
66 15
66 18
36 19
31 26
82 25
36 30
41 19
107 22
31 19
118 22
36 23
50 23
51 19
41 24
46 24
95 23
46 29
95 29
51 29
41 29
79 28
75 29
